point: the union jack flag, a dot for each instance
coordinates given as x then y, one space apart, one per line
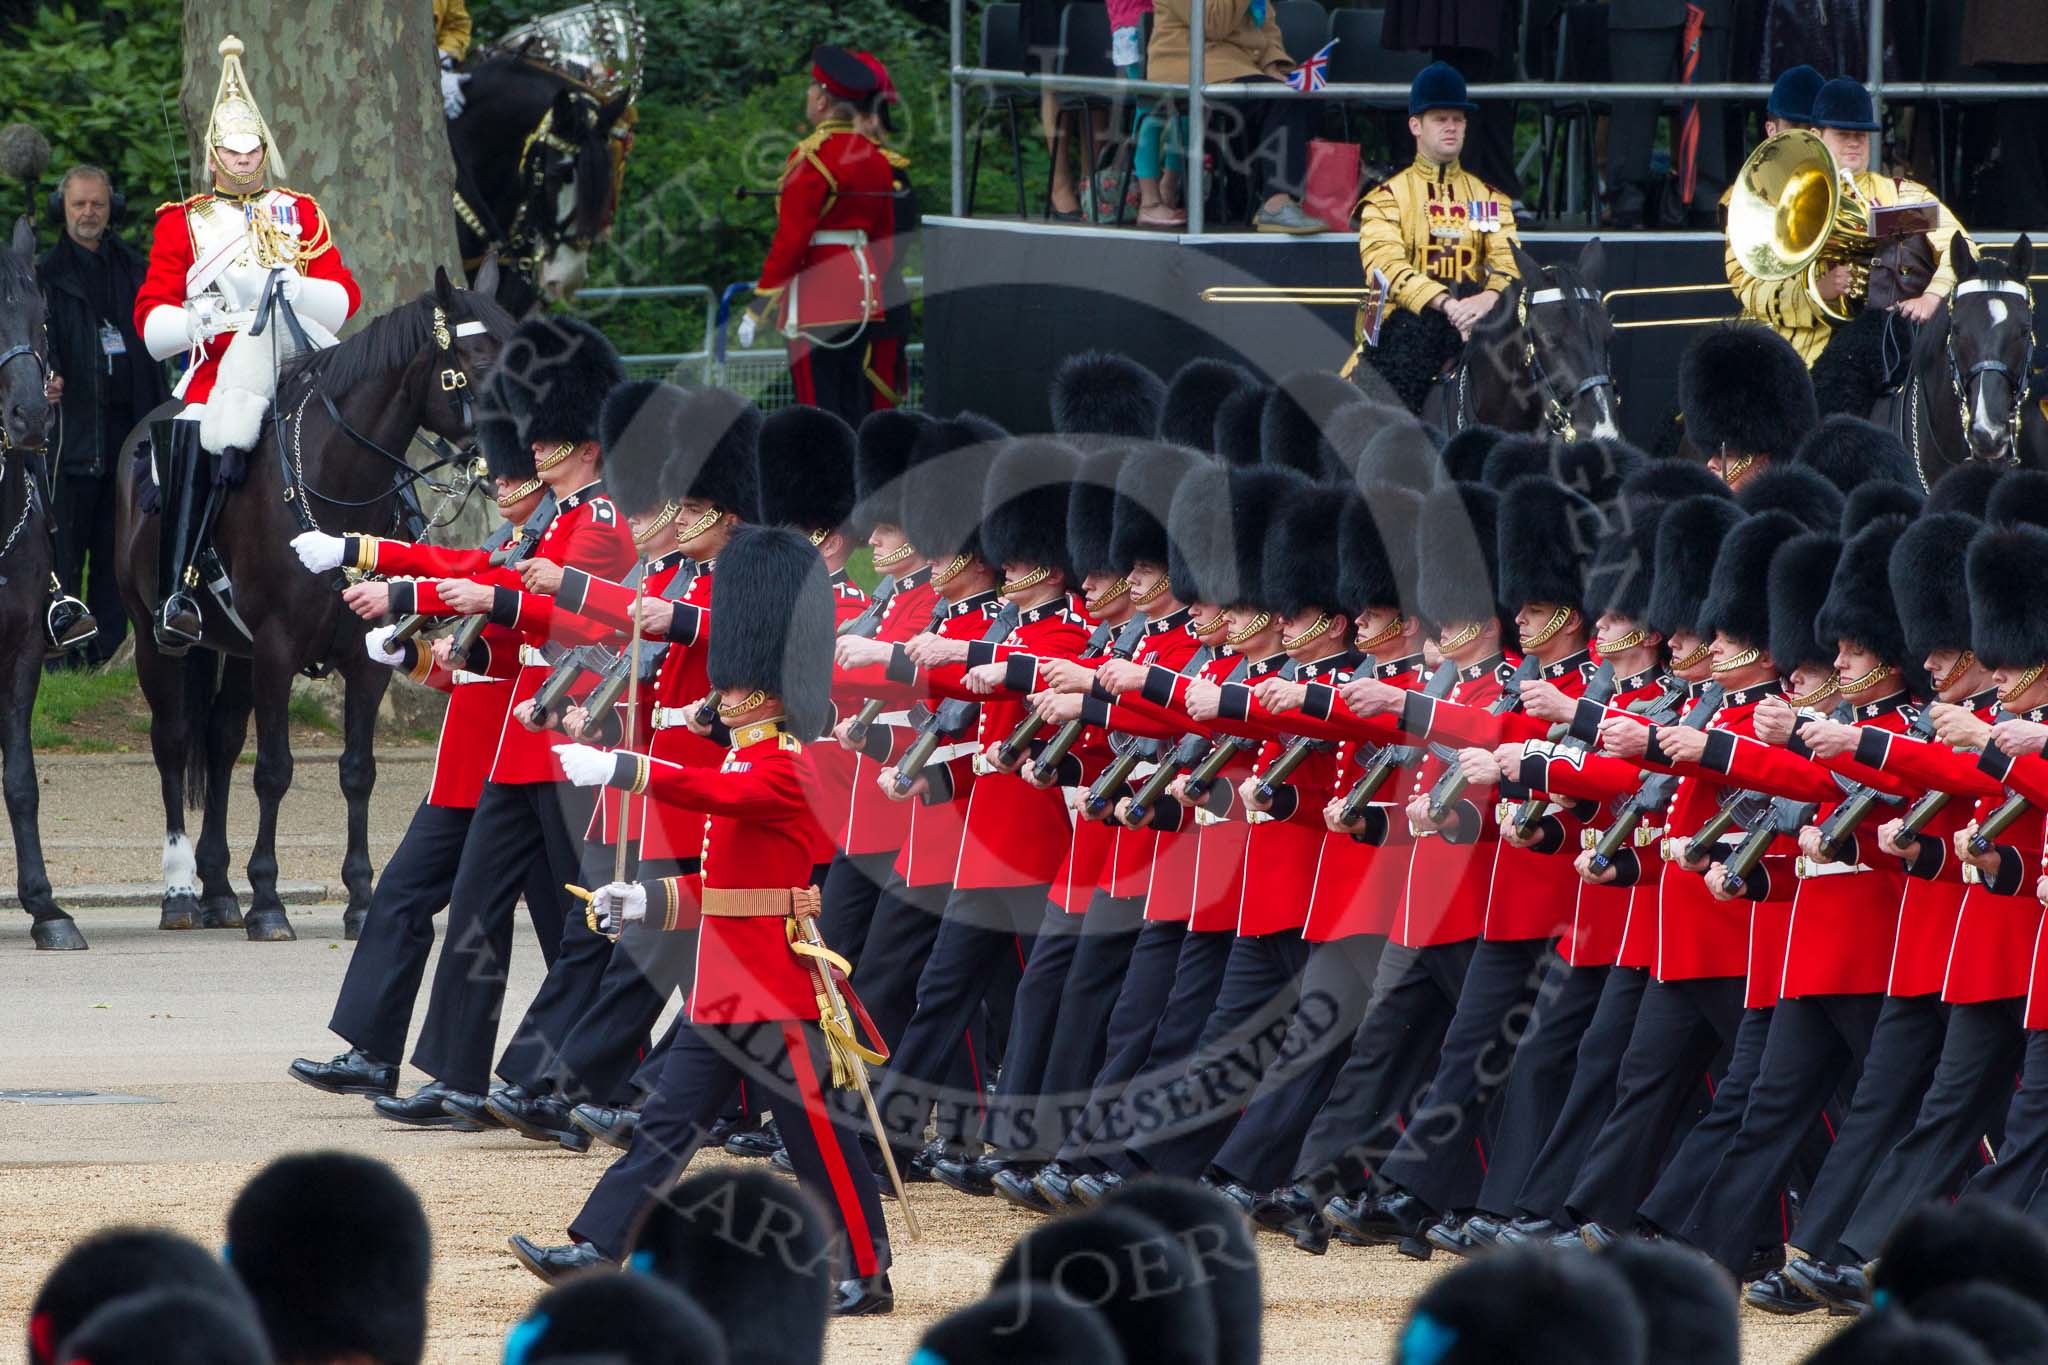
1312 74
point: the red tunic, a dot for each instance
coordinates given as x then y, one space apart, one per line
1998 931
1169 643
1360 881
938 821
872 822
1449 883
834 766
835 183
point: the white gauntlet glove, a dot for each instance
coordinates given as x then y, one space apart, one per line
749 328
617 905
378 644
586 765
318 551
451 93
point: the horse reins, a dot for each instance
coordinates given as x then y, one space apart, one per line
7 446
1557 407
519 244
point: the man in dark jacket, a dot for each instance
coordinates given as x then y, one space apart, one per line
1651 40
106 383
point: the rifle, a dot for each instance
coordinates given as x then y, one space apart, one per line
949 718
1205 773
1012 751
870 619
1186 752
1599 691
1996 823
1390 758
567 666
864 719
413 623
1787 817
1653 793
1740 806
1063 740
511 552
1451 785
1862 799
644 661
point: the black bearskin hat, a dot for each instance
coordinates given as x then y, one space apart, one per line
804 467
1881 498
1464 455
1526 1305
776 624
1743 389
1624 563
1852 451
505 455
1689 539
2012 1329
1928 583
1457 550
1898 1339
1198 536
639 429
1966 489
1860 605
2004 570
1294 427
1687 1300
734 1239
1942 1243
942 495
619 1319
1238 419
1128 1268
1738 602
1091 511
1024 503
1099 393
1599 469
2021 498
1547 536
1513 457
1017 1324
1800 572
1213 1232
553 376
882 453
1300 558
713 458
1144 491
1668 481
1198 389
1399 450
1376 548
116 1262
1805 495
169 1327
334 1250
1256 497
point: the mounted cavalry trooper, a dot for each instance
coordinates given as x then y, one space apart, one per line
218 264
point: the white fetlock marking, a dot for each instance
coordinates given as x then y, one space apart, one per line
181 870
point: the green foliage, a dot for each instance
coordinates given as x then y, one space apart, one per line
96 78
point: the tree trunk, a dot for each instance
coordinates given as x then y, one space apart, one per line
351 92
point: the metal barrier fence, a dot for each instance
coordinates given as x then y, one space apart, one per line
1196 93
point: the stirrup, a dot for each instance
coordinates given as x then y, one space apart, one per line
178 624
68 624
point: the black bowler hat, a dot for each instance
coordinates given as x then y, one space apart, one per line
1845 104
1437 86
844 76
1792 94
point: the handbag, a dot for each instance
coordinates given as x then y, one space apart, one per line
1330 191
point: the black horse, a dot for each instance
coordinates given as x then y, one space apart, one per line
330 458
1965 396
1539 361
25 564
533 176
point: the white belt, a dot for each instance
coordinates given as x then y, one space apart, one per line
946 753
532 657
839 237
670 717
1806 869
463 677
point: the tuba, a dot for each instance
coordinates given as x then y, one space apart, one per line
1794 210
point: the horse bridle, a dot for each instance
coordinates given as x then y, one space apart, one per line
1961 382
28 500
519 244
1557 407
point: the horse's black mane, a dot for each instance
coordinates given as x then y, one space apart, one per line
390 342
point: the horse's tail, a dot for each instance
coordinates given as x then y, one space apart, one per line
202 685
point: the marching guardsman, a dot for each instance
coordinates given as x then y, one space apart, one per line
822 284
212 261
1441 238
373 1011
755 1013
1745 401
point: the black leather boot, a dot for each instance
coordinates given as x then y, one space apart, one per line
183 471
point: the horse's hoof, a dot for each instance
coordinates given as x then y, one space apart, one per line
269 926
180 912
220 912
58 935
352 922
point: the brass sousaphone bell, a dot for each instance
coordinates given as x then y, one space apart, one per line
1794 211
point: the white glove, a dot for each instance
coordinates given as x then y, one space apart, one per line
378 643
451 93
317 550
586 765
617 905
288 282
748 329
241 285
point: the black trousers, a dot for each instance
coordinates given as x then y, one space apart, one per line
1336 991
1414 999
1133 1019
1109 934
85 552
2015 1178
1681 1026
513 822
1255 1007
1972 1086
834 376
853 886
1654 54
374 1010
1565 1006
981 927
1814 1047
785 1064
1264 143
1487 1029
1905 1047
570 987
1587 1101
1011 1122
